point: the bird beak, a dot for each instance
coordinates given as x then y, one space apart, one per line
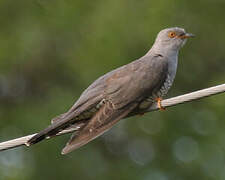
189 35
186 35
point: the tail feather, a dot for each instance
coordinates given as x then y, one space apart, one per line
58 118
51 130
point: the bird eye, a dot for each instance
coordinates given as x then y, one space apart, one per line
172 34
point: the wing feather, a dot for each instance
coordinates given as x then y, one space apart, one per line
102 121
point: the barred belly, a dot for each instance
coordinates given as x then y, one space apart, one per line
160 93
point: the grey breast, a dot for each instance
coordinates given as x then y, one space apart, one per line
163 90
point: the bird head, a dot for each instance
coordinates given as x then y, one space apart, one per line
172 38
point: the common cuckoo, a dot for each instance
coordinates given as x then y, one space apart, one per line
125 91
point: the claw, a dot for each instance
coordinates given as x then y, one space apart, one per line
159 104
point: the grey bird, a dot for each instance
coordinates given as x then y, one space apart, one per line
123 92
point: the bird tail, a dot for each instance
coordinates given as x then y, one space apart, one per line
50 131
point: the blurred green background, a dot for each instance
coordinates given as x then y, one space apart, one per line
50 51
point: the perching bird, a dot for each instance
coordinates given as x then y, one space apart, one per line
123 92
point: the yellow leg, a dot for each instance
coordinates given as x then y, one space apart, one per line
159 104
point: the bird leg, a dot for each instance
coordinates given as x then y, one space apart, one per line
158 99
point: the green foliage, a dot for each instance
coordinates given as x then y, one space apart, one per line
50 51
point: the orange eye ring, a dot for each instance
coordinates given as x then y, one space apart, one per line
172 34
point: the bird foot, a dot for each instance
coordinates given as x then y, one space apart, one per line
159 104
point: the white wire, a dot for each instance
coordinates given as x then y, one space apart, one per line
165 103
